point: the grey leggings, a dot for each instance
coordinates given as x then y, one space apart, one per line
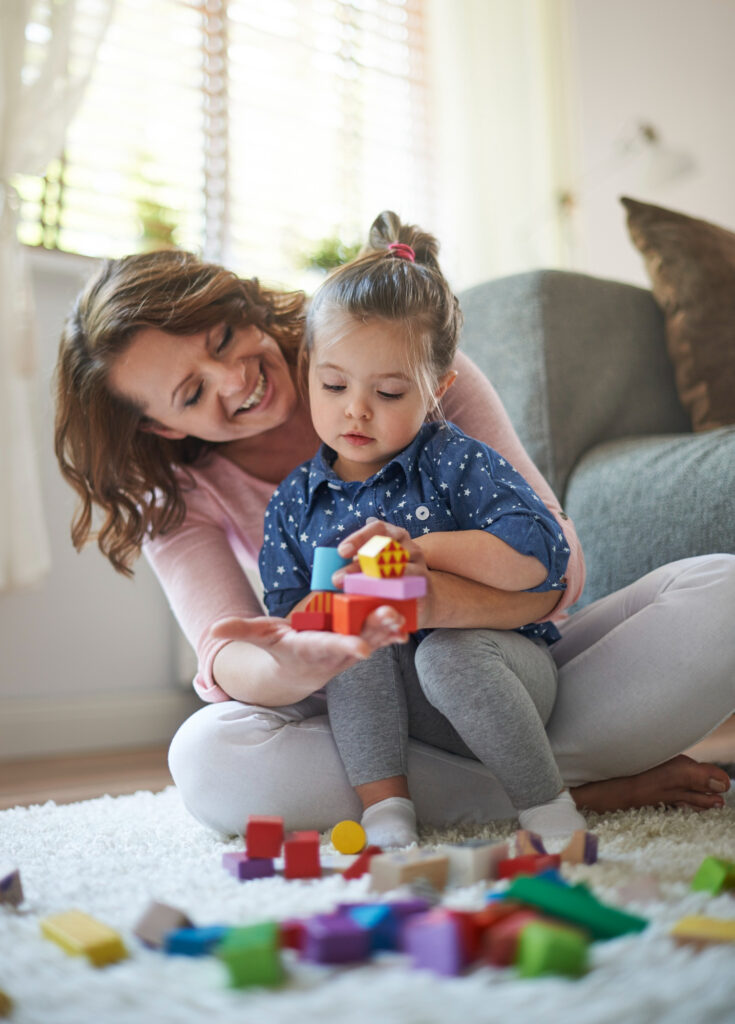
480 693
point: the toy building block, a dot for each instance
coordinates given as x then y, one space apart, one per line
301 855
400 588
531 864
361 865
326 563
335 939
500 942
194 941
292 933
381 556
11 888
252 955
381 922
474 861
6 1004
78 933
263 835
714 875
528 843
701 931
245 868
319 621
157 921
575 904
581 849
389 870
551 949
348 837
433 942
351 610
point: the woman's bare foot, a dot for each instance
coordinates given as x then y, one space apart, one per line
680 782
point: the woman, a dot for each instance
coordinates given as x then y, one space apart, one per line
178 413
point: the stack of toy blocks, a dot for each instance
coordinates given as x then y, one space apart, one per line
381 581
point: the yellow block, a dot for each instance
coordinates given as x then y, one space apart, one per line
77 933
703 930
348 837
382 557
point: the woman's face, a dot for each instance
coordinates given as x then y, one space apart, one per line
220 385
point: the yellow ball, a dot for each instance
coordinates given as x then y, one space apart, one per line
348 837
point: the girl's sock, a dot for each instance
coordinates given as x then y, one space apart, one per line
391 822
555 820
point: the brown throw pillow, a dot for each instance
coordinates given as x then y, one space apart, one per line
691 264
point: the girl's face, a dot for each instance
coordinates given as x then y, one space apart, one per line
365 402
220 385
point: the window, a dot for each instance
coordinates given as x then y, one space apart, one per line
250 131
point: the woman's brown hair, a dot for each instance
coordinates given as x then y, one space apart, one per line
132 475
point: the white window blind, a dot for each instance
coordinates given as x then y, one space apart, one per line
247 130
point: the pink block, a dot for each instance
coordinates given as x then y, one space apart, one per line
399 589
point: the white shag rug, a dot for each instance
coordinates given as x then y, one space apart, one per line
111 857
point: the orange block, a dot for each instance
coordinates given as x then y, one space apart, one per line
349 612
320 601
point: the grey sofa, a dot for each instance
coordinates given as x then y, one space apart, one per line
582 368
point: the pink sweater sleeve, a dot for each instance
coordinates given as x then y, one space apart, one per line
475 406
201 575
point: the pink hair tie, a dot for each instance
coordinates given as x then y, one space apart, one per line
402 251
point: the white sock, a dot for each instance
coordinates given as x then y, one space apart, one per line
391 822
555 820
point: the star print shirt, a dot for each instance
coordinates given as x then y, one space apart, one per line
443 481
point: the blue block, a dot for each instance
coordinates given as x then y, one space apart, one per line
326 562
381 922
194 941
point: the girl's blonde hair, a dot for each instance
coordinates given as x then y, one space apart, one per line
381 283
134 476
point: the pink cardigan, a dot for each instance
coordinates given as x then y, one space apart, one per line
201 564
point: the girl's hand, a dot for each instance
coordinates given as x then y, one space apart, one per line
416 566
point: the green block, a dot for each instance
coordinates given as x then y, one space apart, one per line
252 955
714 875
551 949
576 904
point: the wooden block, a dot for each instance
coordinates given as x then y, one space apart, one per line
6 1004
433 941
320 621
389 870
531 864
702 931
714 875
245 868
159 919
320 601
361 865
382 557
545 948
348 837
529 843
500 942
78 933
400 588
581 849
326 562
11 888
474 861
264 835
349 612
252 955
575 904
301 855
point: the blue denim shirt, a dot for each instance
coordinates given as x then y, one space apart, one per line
444 480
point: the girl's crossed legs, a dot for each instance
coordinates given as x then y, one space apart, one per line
643 674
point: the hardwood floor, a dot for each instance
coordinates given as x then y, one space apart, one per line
66 779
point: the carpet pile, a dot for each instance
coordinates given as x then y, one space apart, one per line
110 857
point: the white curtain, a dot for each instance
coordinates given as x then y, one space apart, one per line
503 133
47 51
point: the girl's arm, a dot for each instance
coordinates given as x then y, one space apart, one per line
480 556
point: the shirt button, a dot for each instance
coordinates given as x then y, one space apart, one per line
422 513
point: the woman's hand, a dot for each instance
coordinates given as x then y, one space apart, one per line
417 566
296 663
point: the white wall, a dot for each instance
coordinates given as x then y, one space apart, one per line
668 62
88 657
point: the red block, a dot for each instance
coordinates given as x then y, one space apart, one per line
301 855
349 612
292 934
501 941
321 621
531 864
263 835
361 866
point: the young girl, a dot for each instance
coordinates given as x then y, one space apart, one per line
381 335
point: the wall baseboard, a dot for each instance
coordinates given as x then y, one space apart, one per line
75 725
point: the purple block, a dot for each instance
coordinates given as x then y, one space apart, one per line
244 867
590 848
434 943
398 588
335 939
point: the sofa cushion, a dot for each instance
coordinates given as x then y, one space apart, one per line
691 264
639 503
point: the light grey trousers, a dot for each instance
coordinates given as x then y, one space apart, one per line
643 674
479 693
